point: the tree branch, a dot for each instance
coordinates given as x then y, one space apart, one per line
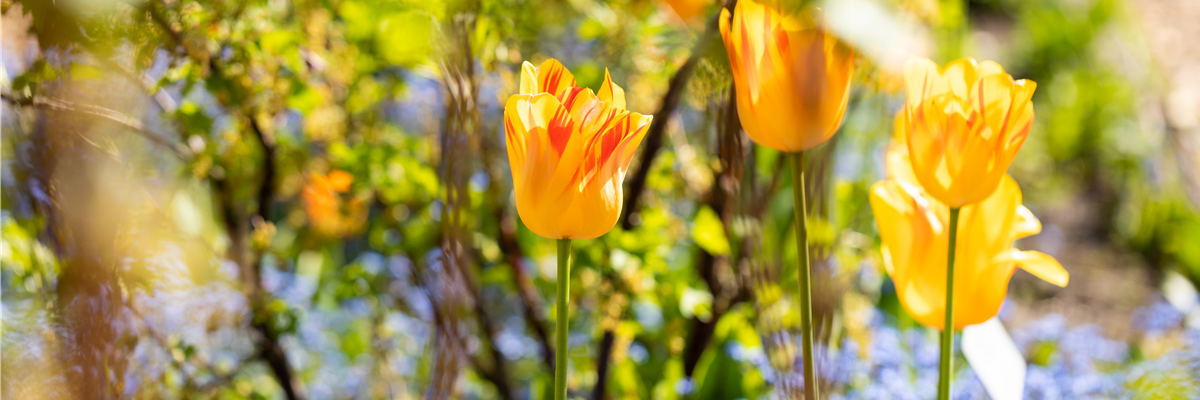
126 121
603 358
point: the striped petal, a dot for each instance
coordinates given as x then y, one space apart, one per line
611 93
554 78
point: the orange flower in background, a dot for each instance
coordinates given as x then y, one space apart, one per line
568 149
915 234
964 124
792 77
688 11
323 203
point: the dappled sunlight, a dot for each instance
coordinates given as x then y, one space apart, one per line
629 199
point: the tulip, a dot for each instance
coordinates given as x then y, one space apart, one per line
568 149
913 227
792 77
792 81
964 124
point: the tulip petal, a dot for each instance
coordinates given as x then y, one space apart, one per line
548 113
903 223
591 115
888 264
754 22
529 79
989 223
1039 264
515 134
736 48
611 93
897 162
618 142
561 134
990 67
1017 127
839 69
922 80
636 126
596 209
992 98
554 78
1026 224
959 75
552 158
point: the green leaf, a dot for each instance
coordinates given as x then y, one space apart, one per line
709 233
405 38
356 339
278 42
195 122
37 73
81 72
360 20
718 374
592 29
304 99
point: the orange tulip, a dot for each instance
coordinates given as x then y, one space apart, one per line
914 229
568 149
964 124
792 77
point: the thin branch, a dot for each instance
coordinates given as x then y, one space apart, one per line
603 358
126 121
156 15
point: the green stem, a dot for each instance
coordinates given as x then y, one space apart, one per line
560 349
945 367
806 324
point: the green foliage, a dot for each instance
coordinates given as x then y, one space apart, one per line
709 233
366 287
722 376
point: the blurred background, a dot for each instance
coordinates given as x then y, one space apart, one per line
311 199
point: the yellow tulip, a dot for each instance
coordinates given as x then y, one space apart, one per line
792 77
568 149
964 125
915 233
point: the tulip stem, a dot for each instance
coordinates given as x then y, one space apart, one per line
806 324
560 349
947 337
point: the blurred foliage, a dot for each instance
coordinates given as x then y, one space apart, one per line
299 198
